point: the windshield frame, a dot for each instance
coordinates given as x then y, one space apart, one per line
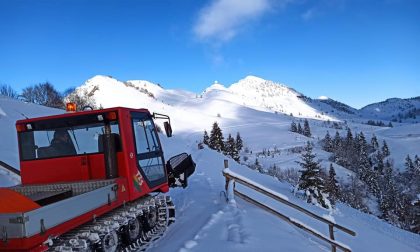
68 123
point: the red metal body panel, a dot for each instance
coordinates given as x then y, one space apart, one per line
84 168
54 170
33 243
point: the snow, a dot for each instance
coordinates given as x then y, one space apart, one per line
227 171
205 221
316 231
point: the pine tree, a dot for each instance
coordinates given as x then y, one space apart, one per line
365 171
310 180
417 165
331 186
337 142
385 149
293 127
328 144
230 148
374 142
306 129
380 163
239 143
349 139
354 193
216 138
409 165
206 138
299 129
388 199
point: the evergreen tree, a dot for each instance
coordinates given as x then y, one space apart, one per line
239 143
353 194
409 165
328 144
385 149
388 200
417 165
230 148
206 139
299 129
306 129
380 163
365 171
349 139
374 142
257 165
331 186
310 180
337 142
216 138
293 127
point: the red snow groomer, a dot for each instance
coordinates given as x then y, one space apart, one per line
91 182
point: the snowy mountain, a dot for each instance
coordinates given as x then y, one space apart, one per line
394 109
260 110
339 106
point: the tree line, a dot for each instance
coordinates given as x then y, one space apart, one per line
46 94
231 147
375 177
297 128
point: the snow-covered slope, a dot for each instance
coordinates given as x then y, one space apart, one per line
395 109
259 93
204 221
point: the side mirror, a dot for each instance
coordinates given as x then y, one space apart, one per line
168 129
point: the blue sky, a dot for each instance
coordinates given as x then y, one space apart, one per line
357 52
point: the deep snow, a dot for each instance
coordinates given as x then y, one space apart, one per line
205 221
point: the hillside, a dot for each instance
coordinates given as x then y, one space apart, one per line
394 109
260 111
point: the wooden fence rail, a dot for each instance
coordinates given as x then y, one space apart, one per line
331 225
9 168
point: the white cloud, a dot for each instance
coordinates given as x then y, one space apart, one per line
309 14
222 19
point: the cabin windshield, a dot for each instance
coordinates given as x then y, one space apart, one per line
65 137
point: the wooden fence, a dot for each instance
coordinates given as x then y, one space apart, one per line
331 225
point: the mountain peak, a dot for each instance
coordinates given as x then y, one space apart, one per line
253 78
216 86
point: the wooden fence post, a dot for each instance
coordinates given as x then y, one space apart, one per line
226 163
331 228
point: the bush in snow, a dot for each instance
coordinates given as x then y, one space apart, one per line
206 138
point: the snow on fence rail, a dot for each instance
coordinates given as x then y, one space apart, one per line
230 175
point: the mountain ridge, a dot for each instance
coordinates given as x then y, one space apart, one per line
266 95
